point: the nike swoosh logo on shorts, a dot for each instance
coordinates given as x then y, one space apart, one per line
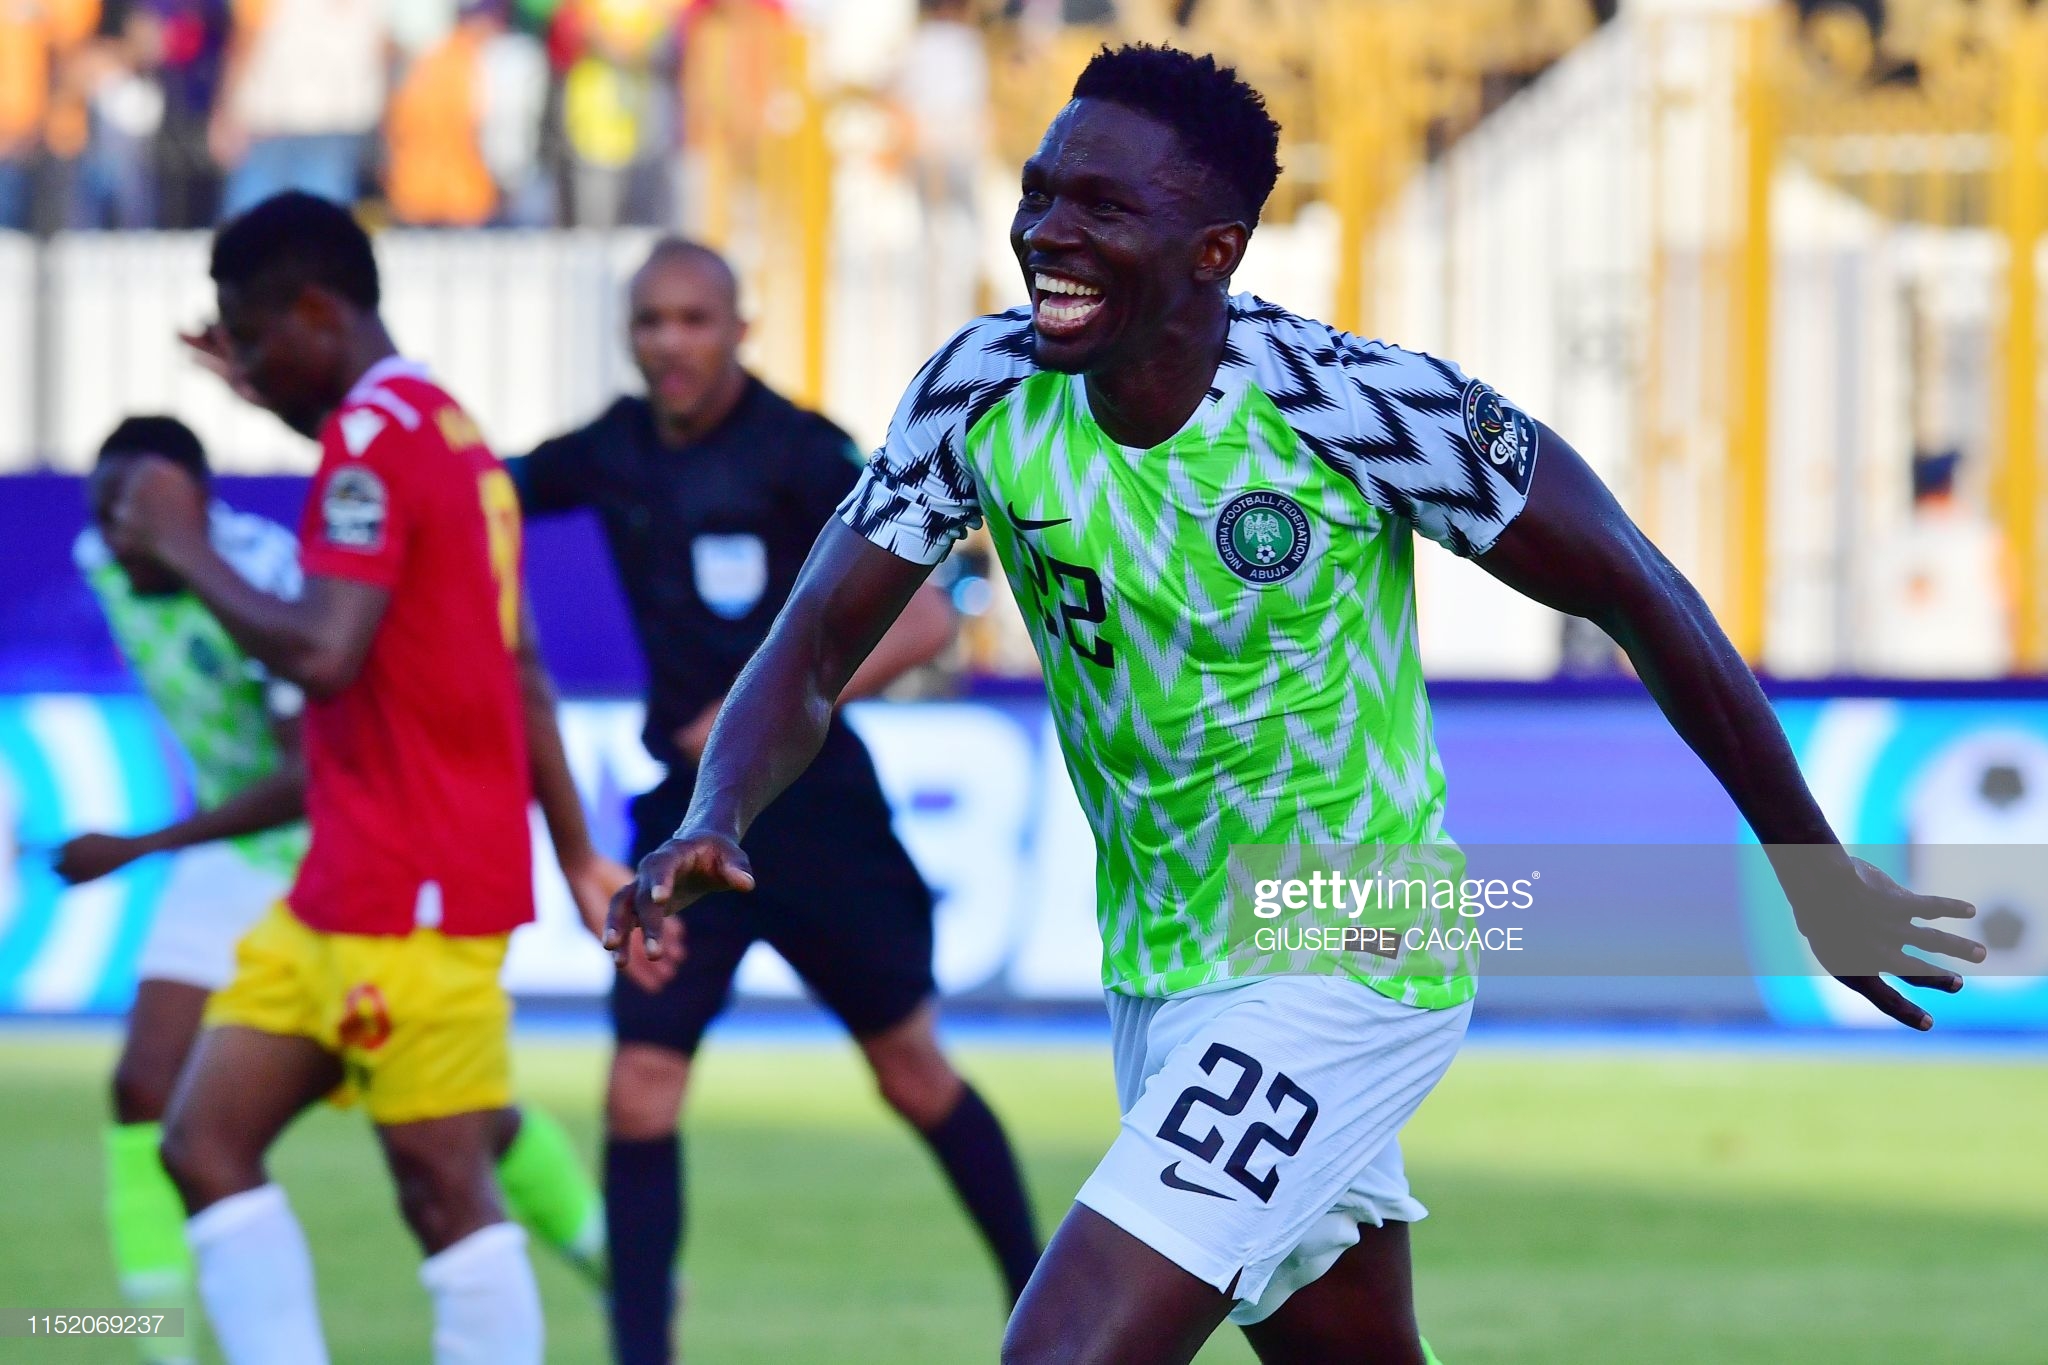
1170 1177
1027 524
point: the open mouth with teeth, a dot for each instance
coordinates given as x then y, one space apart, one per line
1062 307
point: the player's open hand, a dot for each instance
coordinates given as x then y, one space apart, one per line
593 881
89 857
158 504
685 869
1860 927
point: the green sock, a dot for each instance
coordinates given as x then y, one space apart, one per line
1429 1356
551 1194
146 1227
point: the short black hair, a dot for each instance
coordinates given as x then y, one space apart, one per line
293 240
154 435
1221 120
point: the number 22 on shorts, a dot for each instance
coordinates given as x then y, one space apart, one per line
1282 1093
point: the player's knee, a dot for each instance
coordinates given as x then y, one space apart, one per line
923 1095
645 1096
142 1089
504 1130
444 1196
429 1208
205 1168
181 1159
916 1080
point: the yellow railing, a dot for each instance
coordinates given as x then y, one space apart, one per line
2020 219
1748 511
759 180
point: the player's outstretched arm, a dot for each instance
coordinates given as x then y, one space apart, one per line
318 641
772 724
276 799
1574 549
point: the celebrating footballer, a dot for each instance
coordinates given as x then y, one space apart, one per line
1206 506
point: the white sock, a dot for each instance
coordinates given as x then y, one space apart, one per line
486 1303
256 1280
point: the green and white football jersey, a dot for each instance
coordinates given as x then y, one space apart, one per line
1227 620
218 702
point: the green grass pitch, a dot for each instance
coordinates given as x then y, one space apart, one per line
1589 1208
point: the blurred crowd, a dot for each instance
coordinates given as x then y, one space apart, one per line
120 114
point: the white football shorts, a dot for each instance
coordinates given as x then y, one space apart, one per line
212 897
1259 1126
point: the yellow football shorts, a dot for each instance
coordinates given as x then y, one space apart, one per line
420 1023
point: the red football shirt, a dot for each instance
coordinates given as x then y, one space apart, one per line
417 783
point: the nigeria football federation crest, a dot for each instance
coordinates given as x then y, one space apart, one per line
1262 536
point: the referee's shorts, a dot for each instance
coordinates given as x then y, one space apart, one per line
834 893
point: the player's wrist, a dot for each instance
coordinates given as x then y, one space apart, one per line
726 831
575 856
1811 869
712 816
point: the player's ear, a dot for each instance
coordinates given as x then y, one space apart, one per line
318 309
1221 252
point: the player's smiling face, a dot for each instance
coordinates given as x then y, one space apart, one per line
1111 231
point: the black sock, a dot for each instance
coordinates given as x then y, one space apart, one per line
969 1143
643 1212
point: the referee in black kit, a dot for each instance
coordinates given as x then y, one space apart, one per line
711 490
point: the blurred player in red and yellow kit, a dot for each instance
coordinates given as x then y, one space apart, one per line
427 720
417 772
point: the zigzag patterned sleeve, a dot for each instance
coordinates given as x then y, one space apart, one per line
1421 441
917 495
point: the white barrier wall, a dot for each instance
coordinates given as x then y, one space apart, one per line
527 327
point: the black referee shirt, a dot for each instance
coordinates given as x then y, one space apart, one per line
707 538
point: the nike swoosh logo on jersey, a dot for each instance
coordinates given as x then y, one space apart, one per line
1170 1177
1027 524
